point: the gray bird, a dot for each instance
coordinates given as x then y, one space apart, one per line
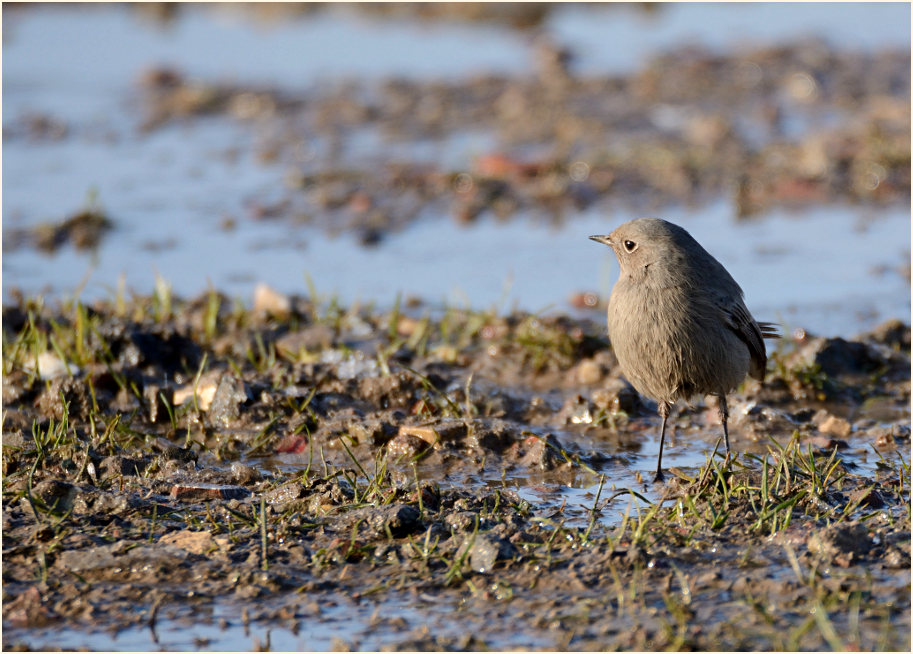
677 321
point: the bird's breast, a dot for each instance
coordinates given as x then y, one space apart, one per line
670 344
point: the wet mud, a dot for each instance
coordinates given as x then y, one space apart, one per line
164 457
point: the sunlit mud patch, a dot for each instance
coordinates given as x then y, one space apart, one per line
311 465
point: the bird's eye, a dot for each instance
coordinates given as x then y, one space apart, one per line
630 246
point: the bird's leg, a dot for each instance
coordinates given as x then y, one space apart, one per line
664 412
724 418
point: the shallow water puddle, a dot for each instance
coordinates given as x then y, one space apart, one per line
630 470
534 268
219 626
621 488
367 625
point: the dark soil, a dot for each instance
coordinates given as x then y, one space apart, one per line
171 456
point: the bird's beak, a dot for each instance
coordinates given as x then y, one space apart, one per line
605 240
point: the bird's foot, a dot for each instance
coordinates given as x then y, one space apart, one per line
659 477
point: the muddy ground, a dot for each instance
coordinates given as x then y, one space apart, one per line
295 458
160 456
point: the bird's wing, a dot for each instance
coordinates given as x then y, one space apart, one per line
752 333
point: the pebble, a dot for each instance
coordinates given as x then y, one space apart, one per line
268 301
835 426
203 492
406 446
588 372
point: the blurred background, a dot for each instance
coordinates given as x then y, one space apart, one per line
458 153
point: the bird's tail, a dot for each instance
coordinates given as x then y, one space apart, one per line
769 329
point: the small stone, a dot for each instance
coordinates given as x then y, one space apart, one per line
121 554
835 426
195 542
205 390
451 430
14 388
227 400
399 519
204 492
895 558
16 439
542 453
292 444
758 421
95 558
484 553
588 372
268 301
867 497
406 325
495 435
285 493
407 446
244 474
50 366
460 520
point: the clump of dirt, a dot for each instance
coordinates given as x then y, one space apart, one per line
84 230
168 459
